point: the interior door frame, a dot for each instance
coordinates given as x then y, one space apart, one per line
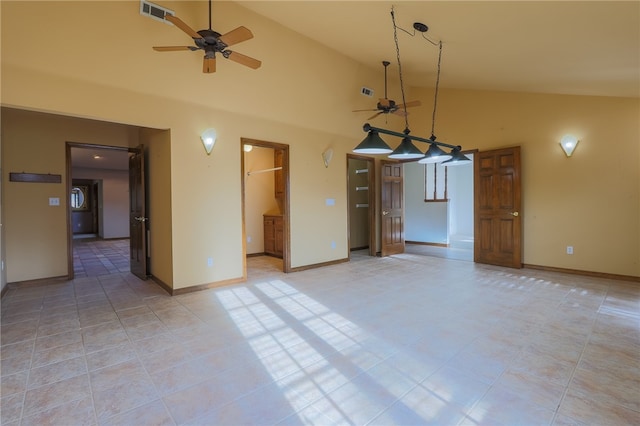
69 185
286 249
371 165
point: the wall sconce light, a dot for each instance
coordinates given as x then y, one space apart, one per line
569 144
327 155
208 138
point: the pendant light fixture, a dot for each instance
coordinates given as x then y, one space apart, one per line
406 150
374 144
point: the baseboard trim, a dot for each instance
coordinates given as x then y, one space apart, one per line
421 243
319 265
256 254
585 273
223 283
37 282
166 287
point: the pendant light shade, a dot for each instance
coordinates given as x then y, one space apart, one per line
406 151
434 154
373 144
457 158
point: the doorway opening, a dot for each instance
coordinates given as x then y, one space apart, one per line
265 202
439 210
361 204
98 204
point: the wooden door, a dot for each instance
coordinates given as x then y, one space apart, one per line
392 208
138 221
498 217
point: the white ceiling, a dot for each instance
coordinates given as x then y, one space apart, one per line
108 159
562 47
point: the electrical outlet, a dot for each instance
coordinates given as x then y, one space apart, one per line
249 239
54 201
209 261
333 244
569 249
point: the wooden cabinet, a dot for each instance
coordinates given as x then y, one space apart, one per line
273 235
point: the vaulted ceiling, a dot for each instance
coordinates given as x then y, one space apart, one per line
562 47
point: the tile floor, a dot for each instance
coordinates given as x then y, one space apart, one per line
93 257
403 340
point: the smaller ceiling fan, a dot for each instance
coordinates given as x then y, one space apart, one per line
386 105
211 42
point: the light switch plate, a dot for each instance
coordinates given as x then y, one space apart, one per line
54 201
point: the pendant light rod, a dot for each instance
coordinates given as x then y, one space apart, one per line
395 39
435 97
367 128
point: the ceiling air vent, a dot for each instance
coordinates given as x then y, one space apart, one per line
154 11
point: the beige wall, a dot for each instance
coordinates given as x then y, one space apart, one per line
302 96
36 233
589 201
157 149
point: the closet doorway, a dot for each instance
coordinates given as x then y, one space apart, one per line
361 201
265 201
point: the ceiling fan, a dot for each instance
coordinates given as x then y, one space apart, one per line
211 42
386 105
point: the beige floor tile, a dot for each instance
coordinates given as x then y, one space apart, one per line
593 412
79 412
15 383
504 407
56 394
56 372
152 413
123 397
116 375
607 388
405 339
11 408
110 356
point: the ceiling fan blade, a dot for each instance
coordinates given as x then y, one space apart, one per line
184 27
410 104
209 65
400 112
173 48
375 115
242 59
360 110
384 102
236 36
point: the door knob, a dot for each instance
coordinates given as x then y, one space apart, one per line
514 214
384 212
140 218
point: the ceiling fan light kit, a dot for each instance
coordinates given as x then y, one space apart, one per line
212 42
406 149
